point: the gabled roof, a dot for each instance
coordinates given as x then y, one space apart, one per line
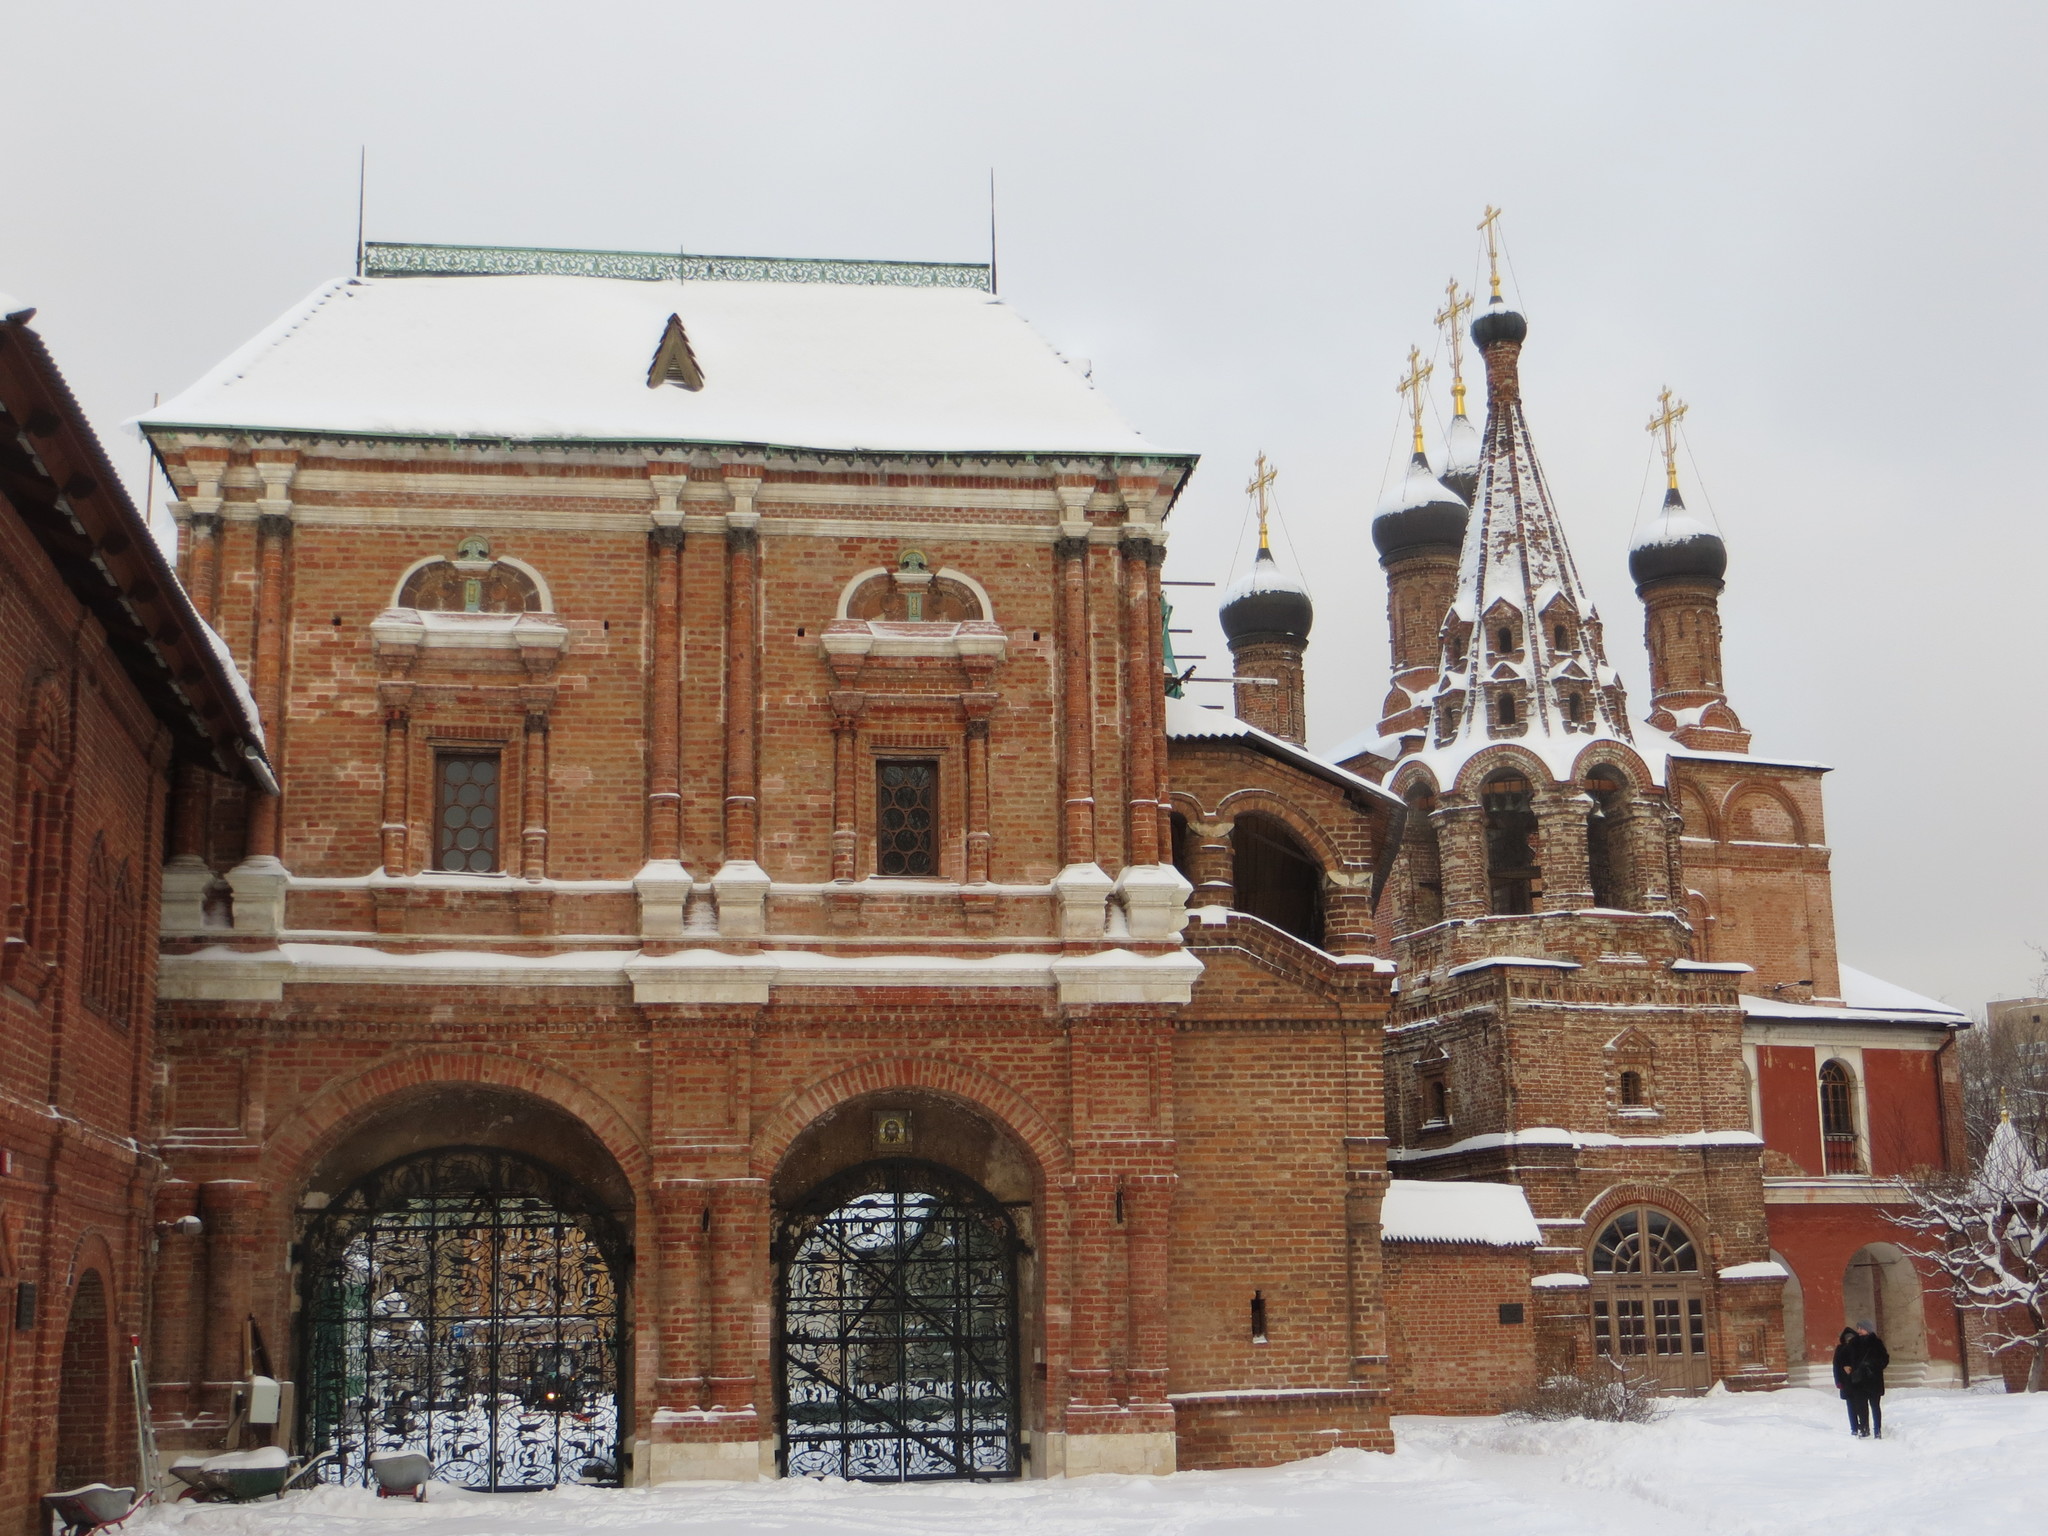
55 476
1189 721
836 366
1867 1000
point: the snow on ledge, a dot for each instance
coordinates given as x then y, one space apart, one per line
1491 960
1559 1282
1731 967
1557 1136
1763 1269
1422 1211
221 973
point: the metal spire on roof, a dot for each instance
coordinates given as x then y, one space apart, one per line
1256 487
1448 319
1488 229
1670 411
1411 386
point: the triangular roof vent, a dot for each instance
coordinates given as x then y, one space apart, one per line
674 362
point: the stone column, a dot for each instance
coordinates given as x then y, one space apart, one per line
229 1207
533 796
1561 825
1141 684
1215 864
202 559
260 880
186 874
978 708
741 885
1461 858
1155 667
397 702
847 709
1076 714
664 712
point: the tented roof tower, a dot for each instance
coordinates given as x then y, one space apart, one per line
1523 655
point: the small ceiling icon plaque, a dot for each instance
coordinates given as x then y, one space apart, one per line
892 1130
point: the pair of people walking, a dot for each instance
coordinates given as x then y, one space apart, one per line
1860 1359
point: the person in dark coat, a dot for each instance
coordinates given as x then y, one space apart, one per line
1860 1361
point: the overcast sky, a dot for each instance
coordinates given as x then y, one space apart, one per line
1821 224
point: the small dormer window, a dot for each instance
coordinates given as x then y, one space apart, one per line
1507 709
674 362
1507 640
1564 639
1572 707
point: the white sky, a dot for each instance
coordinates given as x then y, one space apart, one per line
1821 224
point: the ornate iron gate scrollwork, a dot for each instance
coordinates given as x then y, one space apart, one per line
897 1350
465 1302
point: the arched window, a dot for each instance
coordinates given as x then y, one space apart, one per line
1514 876
1563 638
1275 877
1507 709
1649 1301
1606 838
1439 1100
1507 640
473 582
1631 1090
1572 708
1838 1118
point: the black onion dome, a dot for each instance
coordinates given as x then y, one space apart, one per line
1422 511
1266 605
1498 323
1676 544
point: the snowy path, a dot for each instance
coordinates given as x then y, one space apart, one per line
1776 1465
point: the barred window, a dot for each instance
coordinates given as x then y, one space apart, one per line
469 811
906 818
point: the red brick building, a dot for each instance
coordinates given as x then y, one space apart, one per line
108 689
749 970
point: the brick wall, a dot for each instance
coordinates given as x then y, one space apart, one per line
1453 1347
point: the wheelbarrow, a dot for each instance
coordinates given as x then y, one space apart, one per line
95 1507
240 1476
401 1474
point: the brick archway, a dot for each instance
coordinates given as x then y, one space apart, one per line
324 1121
1010 1110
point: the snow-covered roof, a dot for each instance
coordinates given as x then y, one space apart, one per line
1461 448
1188 721
10 305
1264 576
825 365
1422 1211
1868 1000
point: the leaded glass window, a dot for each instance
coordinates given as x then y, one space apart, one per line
906 818
468 804
1644 1241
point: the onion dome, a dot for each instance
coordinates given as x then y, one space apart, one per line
1461 458
1267 605
1674 544
1421 511
1498 323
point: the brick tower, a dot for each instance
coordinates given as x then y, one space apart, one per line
1678 563
1266 619
1554 1029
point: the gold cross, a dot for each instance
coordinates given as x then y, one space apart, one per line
1486 227
1454 308
1669 413
1257 487
1411 386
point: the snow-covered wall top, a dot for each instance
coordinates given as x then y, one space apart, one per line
382 259
832 366
1423 1211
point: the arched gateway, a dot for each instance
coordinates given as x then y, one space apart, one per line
465 1301
897 1337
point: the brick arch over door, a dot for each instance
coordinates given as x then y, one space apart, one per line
1009 1109
320 1124
1619 1197
1243 802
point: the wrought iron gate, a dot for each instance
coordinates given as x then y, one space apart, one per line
465 1302
898 1338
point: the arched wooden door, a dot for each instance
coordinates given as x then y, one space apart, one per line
1650 1300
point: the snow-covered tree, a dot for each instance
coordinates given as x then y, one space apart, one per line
1990 1242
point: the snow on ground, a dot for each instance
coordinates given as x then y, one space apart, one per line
1781 1464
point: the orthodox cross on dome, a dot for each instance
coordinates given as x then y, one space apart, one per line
1489 227
1670 411
1411 386
1448 320
1256 487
